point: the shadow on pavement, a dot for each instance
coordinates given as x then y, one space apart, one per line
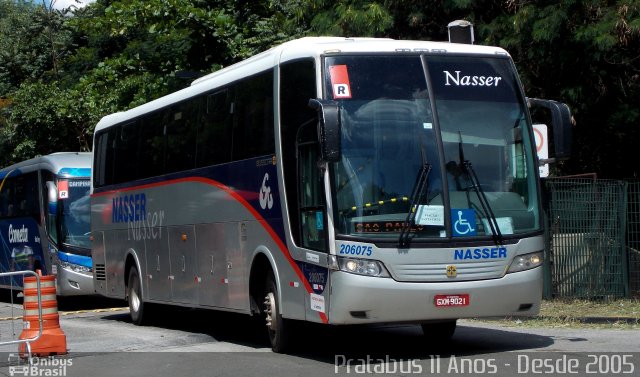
323 342
74 303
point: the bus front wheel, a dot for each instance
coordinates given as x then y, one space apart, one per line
134 297
278 327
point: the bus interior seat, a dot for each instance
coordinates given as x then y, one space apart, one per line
399 150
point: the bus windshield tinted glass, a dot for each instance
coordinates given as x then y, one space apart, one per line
387 138
482 119
389 133
75 218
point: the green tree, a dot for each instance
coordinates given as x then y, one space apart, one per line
21 45
585 53
32 40
345 18
126 53
116 54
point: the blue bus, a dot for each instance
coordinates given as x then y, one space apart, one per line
45 221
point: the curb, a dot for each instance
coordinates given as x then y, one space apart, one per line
587 320
593 320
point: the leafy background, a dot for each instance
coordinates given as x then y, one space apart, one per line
61 71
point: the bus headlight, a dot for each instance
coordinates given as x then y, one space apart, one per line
75 268
526 262
366 267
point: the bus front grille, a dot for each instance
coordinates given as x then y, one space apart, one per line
435 272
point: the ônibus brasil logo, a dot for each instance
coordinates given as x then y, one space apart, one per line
38 366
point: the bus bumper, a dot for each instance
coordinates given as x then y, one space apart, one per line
72 283
361 299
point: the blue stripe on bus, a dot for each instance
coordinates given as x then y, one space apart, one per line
75 172
244 177
242 180
220 173
14 172
80 260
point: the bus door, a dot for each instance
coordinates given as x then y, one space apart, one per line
313 219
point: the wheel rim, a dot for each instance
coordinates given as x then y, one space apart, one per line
270 312
134 300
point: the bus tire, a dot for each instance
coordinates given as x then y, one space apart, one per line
277 327
134 298
439 331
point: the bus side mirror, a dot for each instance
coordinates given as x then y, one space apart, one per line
329 133
560 122
52 197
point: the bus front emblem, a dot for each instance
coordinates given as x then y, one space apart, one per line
452 272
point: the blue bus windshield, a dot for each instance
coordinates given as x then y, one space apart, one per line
75 218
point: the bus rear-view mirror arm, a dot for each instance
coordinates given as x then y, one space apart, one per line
561 123
329 133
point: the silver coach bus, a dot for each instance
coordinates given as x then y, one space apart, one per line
331 180
44 221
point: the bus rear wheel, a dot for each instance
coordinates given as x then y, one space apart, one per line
277 327
134 297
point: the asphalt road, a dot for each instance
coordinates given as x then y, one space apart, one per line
102 342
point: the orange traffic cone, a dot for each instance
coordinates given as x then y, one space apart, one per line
53 341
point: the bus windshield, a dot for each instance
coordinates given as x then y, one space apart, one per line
75 218
415 131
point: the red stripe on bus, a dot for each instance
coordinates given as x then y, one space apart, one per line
241 200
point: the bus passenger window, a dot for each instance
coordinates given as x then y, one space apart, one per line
180 132
126 148
214 130
253 131
151 154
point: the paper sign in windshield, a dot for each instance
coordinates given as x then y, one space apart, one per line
340 81
504 223
430 215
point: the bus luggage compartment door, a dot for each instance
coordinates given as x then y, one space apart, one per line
158 266
184 274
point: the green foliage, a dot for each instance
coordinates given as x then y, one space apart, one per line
35 107
59 74
25 42
584 53
348 18
32 42
123 54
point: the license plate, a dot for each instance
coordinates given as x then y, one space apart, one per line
451 300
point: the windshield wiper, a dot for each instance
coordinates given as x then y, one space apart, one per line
482 196
419 189
484 202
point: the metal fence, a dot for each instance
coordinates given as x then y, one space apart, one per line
593 238
633 237
27 340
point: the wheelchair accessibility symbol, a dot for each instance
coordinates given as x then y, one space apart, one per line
464 222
